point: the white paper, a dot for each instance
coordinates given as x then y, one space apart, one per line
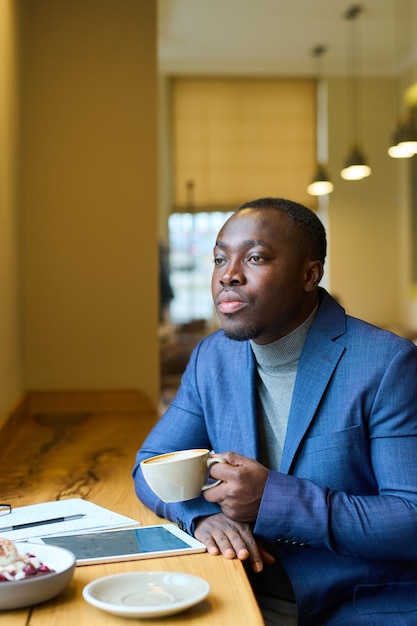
94 517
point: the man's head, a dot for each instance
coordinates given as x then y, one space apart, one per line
268 260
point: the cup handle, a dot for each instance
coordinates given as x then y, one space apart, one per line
211 461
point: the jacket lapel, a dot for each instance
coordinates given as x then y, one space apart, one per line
245 428
318 361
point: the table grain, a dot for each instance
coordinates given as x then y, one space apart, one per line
57 453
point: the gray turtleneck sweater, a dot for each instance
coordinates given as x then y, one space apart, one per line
277 364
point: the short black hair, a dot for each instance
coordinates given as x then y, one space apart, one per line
310 229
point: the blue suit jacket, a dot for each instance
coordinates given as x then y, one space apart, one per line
342 512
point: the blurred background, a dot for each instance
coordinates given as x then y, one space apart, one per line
131 129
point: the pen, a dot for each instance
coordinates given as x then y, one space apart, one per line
55 520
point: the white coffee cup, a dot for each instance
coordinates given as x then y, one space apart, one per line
179 476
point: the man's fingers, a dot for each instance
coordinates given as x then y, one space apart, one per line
217 541
232 539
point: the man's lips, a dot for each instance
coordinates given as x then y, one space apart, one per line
229 303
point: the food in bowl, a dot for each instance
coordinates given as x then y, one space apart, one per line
34 589
15 565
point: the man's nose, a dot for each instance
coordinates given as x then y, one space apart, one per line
232 274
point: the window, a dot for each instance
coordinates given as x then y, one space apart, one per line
191 243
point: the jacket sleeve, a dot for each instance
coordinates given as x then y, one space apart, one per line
181 427
380 525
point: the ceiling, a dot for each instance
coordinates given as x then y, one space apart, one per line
277 37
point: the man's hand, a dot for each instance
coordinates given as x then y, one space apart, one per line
240 493
222 535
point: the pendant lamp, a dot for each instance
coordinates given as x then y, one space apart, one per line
404 138
321 184
356 166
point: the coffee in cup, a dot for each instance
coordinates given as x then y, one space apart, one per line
179 476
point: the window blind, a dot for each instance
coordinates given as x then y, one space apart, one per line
236 139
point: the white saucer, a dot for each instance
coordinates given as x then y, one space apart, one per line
146 594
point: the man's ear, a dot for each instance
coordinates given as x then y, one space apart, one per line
313 275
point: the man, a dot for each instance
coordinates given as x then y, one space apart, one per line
320 410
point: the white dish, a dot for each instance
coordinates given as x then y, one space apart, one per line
17 594
146 594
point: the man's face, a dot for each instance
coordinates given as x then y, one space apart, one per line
263 287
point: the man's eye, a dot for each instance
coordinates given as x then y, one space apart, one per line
256 258
218 261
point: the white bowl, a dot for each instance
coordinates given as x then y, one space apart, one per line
17 594
146 594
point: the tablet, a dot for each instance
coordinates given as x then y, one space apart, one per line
145 542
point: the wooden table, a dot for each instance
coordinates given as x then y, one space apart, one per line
56 449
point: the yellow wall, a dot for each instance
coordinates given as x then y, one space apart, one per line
88 198
89 154
11 371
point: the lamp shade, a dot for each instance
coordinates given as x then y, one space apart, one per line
321 184
407 136
356 166
404 141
